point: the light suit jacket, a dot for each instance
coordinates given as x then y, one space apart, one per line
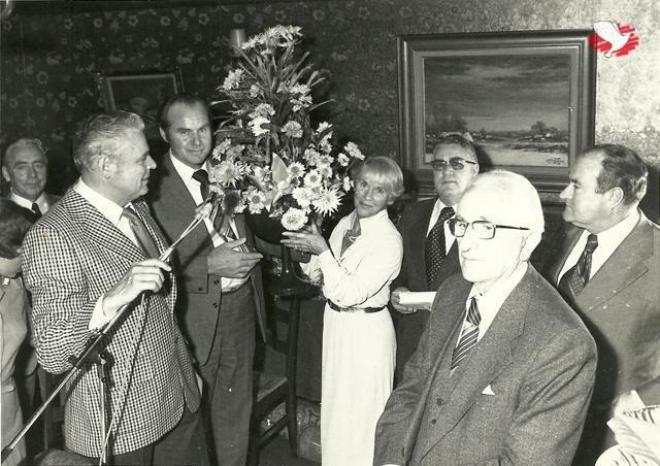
200 294
537 358
72 256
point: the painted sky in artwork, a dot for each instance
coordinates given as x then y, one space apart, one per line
499 92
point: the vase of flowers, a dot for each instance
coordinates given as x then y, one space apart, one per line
270 161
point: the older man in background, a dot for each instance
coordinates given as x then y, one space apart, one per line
609 270
25 168
430 254
95 252
505 369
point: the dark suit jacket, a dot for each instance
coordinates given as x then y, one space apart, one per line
71 257
538 359
621 307
413 227
200 294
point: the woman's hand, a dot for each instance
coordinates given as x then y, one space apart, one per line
309 241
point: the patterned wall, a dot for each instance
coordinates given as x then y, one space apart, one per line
48 64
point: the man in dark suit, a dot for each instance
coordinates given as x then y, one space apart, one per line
221 289
25 168
93 253
429 249
608 270
505 369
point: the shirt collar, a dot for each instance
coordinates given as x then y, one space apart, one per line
23 202
369 223
615 234
184 171
492 299
109 209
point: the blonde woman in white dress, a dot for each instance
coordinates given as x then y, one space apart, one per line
356 268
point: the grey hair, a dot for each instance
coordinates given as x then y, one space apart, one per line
521 193
103 135
23 142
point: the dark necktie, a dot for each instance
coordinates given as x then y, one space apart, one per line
576 278
469 335
434 247
203 177
36 209
350 235
141 233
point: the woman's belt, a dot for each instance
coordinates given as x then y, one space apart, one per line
367 310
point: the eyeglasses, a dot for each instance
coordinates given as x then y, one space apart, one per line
455 163
482 228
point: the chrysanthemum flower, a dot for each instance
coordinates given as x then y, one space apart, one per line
343 159
327 202
296 170
225 173
256 125
292 129
262 110
353 151
232 80
303 196
256 201
294 219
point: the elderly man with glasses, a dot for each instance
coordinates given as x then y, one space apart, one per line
430 255
505 369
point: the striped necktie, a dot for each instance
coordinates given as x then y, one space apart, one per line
469 335
142 235
576 278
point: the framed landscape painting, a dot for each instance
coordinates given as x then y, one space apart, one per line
526 98
142 93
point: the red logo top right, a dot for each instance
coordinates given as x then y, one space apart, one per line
614 39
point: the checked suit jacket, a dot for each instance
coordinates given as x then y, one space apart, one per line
538 360
413 227
200 294
72 256
621 307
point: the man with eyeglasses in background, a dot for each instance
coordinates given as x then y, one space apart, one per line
505 369
429 250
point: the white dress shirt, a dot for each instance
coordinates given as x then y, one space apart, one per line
437 209
186 174
26 203
608 241
113 212
490 301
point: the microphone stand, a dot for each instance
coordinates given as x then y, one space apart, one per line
93 351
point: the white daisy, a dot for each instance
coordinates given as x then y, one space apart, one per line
313 179
296 170
225 173
256 201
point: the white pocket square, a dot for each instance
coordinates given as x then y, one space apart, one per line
488 390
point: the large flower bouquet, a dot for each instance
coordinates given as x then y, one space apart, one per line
268 155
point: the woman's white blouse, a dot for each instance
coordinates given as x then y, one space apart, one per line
361 277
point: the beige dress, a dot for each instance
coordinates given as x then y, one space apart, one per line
13 330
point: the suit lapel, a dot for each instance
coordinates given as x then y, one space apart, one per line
491 355
416 242
623 267
105 235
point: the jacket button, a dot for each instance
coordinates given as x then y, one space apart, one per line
439 401
433 421
216 282
215 305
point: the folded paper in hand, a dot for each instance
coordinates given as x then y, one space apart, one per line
416 298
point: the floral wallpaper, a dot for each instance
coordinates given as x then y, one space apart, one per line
49 64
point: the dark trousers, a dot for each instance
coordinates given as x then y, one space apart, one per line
185 445
227 397
409 329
